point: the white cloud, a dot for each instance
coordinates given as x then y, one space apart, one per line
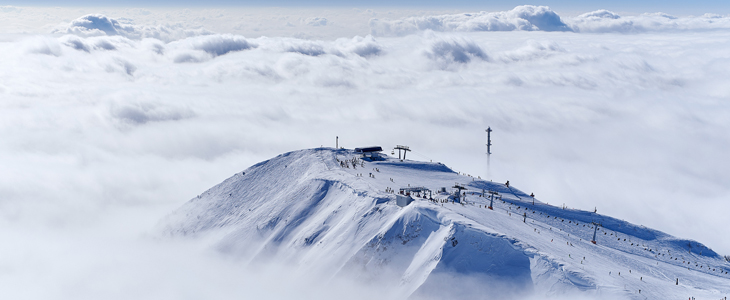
534 50
141 113
541 18
220 44
446 53
76 43
9 9
600 14
363 46
602 21
316 21
525 17
43 45
96 24
310 48
101 25
360 46
202 48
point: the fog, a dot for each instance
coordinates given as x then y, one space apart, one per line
110 121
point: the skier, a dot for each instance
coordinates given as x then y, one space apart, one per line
507 184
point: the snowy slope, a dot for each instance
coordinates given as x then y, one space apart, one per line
320 209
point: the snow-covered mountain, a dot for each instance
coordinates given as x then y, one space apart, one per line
334 212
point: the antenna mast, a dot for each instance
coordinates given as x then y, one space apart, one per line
489 151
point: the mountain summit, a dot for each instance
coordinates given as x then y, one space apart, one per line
428 233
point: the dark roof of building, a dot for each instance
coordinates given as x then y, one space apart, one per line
369 149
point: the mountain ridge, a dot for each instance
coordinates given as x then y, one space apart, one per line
330 210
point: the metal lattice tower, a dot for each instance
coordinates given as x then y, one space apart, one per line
489 151
404 148
489 140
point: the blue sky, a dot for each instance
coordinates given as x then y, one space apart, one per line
567 6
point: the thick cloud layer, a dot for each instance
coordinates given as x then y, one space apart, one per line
103 134
169 24
526 17
307 23
602 21
542 18
101 25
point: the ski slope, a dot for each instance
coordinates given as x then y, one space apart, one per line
332 212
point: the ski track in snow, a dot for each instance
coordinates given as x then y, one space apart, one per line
305 208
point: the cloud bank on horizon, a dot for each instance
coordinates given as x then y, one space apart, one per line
317 24
542 18
112 119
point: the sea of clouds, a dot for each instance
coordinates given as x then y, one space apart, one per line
111 119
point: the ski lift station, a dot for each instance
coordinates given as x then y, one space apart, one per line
372 153
403 200
457 193
415 189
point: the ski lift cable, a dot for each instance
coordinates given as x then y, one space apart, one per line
421 155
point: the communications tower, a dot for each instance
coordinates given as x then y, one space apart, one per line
489 151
